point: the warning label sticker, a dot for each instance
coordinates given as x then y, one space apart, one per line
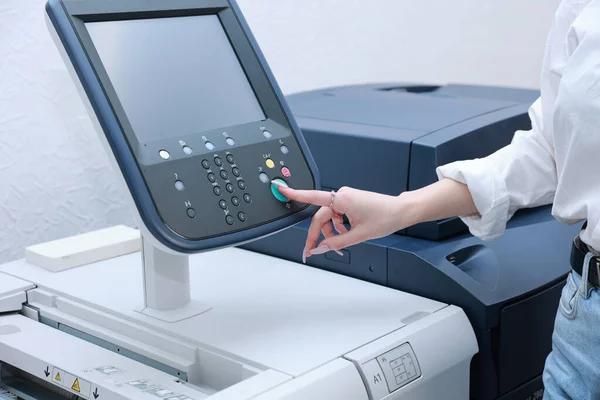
71 382
58 375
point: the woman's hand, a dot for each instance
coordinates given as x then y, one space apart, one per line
371 215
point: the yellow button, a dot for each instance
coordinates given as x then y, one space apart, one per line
270 163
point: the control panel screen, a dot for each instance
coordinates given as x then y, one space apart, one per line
175 76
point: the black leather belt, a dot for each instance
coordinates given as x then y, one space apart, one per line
578 253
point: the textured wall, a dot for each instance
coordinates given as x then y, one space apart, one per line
54 178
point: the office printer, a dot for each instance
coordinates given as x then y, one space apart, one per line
389 138
193 122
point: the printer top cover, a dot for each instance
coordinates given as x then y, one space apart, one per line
390 138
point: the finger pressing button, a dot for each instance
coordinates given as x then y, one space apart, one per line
276 193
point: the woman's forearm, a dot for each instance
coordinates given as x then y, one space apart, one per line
443 199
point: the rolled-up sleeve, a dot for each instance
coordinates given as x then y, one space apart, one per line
520 175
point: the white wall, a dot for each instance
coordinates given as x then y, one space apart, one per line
315 43
54 179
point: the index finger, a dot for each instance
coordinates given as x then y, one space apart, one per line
315 197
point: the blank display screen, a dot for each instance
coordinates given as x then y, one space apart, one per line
175 76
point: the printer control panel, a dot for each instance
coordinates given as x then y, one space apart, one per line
390 371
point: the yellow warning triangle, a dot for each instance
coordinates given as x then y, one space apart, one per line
57 377
76 385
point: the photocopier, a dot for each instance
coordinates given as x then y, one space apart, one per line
195 126
389 138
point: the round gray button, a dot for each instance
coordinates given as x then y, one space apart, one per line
229 220
242 217
187 150
285 150
235 201
223 204
267 134
164 154
264 178
209 146
230 141
179 186
191 212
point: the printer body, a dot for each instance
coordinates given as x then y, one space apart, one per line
390 139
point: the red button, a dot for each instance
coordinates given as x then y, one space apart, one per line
286 172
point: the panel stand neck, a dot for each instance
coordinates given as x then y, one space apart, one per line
167 286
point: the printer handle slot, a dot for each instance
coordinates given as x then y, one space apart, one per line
478 262
412 89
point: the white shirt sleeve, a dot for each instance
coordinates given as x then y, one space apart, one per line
520 175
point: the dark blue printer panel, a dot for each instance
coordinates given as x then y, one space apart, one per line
401 133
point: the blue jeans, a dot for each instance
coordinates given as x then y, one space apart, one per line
573 367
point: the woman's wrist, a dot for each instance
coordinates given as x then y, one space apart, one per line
408 210
440 200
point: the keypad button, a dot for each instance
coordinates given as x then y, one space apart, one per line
264 178
217 190
211 177
242 185
230 159
209 146
285 150
191 213
267 134
223 204
242 216
285 171
218 161
179 186
164 154
235 201
229 187
224 174
269 163
187 150
205 164
247 198
235 171
229 220
230 141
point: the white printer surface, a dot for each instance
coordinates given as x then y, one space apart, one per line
12 293
266 311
